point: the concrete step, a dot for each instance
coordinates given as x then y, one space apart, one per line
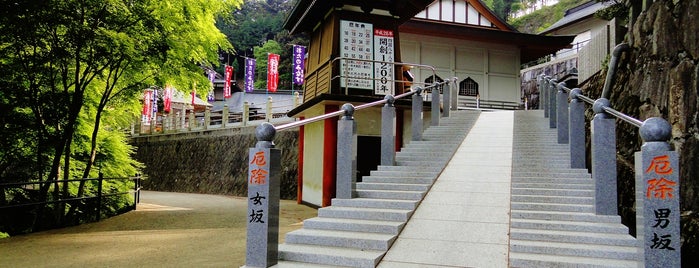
574 249
293 264
422 163
525 159
550 174
334 256
552 207
529 163
433 145
563 216
365 213
354 225
406 173
573 237
552 199
400 179
375 203
433 170
575 226
344 239
392 186
518 259
419 156
553 192
579 186
386 194
553 180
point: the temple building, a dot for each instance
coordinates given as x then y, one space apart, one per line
359 52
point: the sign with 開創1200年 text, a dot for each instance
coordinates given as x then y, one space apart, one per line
383 68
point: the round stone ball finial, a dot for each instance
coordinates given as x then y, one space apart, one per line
599 105
655 129
418 91
349 109
574 93
560 86
389 100
265 132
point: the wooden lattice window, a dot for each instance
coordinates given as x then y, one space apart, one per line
468 87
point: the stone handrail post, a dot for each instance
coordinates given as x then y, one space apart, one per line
346 154
207 117
264 175
455 99
268 110
562 113
603 140
543 95
446 99
297 99
224 115
552 102
170 122
153 121
388 136
246 113
416 124
434 105
576 116
657 196
192 120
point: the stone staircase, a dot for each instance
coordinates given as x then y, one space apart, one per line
357 232
553 223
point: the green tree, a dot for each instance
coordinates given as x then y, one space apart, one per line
261 55
77 63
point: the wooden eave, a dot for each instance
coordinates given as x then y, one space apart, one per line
532 46
486 12
308 13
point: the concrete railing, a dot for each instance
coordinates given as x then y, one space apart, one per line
656 167
208 119
265 164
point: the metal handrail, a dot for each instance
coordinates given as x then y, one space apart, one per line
609 110
359 107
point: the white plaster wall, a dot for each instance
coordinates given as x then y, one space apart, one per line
495 67
313 161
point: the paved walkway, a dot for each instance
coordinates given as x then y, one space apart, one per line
167 230
464 219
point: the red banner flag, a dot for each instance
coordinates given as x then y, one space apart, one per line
272 74
147 108
194 93
227 83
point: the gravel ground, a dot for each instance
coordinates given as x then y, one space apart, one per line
166 230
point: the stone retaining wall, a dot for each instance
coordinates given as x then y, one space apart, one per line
211 162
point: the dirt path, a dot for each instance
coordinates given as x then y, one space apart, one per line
167 230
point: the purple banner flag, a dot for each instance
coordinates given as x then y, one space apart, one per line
298 64
249 75
212 76
155 101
